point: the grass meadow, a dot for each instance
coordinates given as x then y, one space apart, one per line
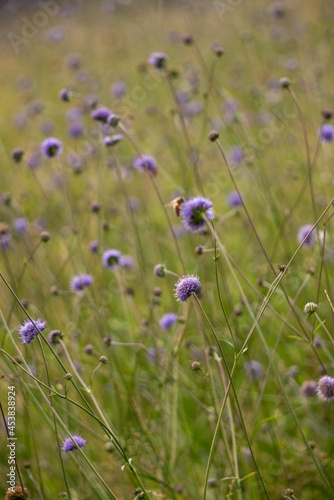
209 161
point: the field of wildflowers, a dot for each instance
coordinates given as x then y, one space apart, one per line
166 250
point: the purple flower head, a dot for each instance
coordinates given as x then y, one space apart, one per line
17 154
5 241
146 163
114 139
193 211
34 160
111 258
158 60
168 320
118 89
326 388
81 281
20 225
309 388
126 261
186 286
253 370
236 155
101 114
75 129
68 444
29 332
51 147
302 233
326 133
234 199
94 246
230 110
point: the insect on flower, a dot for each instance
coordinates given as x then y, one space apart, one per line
176 204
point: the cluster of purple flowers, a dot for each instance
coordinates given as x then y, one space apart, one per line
51 147
303 232
29 331
193 211
186 286
158 60
168 321
81 281
326 133
146 163
69 445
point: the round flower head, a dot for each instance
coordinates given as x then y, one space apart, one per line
193 211
326 388
234 199
326 133
236 155
186 286
168 320
146 163
20 225
114 139
158 60
111 258
126 261
309 388
51 147
68 444
80 282
101 114
94 246
303 232
29 332
253 370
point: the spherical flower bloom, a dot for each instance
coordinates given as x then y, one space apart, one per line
81 281
326 133
29 332
54 337
158 60
309 388
159 270
5 241
64 95
146 163
234 199
253 370
75 129
303 232
101 114
17 154
94 246
186 286
118 89
168 320
51 147
326 388
126 261
193 211
68 444
114 139
20 225
111 258
236 155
